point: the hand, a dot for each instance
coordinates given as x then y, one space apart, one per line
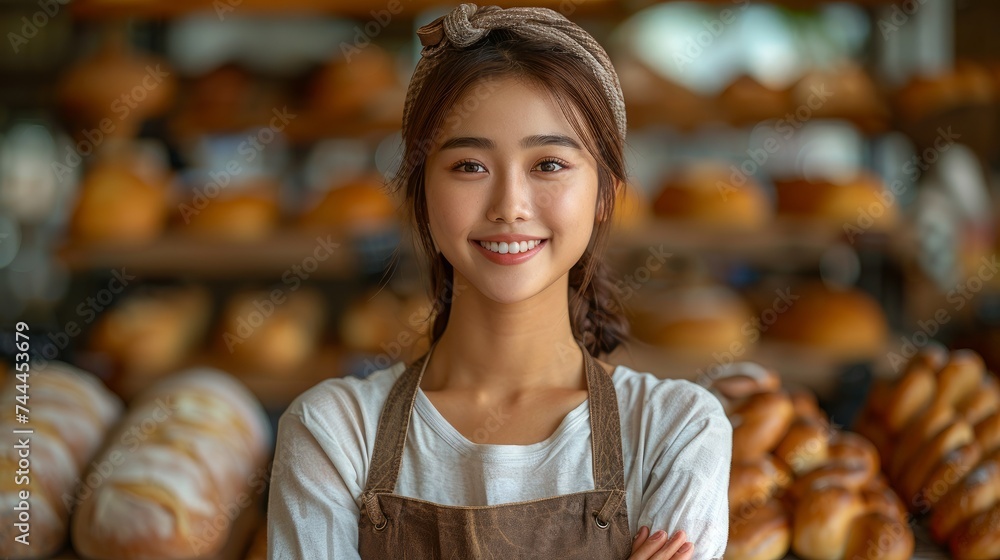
644 547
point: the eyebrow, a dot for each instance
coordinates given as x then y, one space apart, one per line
527 142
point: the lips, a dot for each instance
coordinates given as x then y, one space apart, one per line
509 252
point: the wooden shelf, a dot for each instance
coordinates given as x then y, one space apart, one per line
176 254
791 241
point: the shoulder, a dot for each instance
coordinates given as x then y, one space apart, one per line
658 396
344 403
669 415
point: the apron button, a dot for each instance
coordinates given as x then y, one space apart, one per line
598 521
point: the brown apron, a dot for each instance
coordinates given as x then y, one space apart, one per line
588 524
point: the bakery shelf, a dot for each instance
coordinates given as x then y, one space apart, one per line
177 254
791 241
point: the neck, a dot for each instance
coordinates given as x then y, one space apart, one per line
504 349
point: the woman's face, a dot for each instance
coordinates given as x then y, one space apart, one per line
509 168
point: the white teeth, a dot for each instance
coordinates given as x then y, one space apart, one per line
512 248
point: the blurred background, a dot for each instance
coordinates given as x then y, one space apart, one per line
194 182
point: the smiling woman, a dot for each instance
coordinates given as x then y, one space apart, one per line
508 438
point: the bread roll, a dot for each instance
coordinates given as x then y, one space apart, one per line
759 424
358 206
70 411
931 454
925 426
823 520
250 213
978 538
715 195
876 536
805 405
352 87
836 204
152 332
988 433
116 206
805 445
911 394
879 498
960 377
952 467
751 483
982 402
762 533
183 460
848 476
847 448
852 94
847 325
269 335
975 493
968 83
693 320
741 379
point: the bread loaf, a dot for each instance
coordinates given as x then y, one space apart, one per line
69 412
183 469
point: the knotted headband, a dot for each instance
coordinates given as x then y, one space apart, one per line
468 23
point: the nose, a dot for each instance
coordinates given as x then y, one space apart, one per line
510 198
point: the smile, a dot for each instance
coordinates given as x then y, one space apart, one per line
512 248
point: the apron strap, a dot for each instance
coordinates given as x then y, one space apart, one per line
394 422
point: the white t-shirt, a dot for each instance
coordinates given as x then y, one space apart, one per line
676 442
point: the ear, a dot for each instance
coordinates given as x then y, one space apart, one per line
603 212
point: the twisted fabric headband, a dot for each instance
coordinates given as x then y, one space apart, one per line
468 23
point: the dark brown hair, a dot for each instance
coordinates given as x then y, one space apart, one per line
595 312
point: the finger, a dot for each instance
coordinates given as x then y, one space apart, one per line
640 538
658 543
685 552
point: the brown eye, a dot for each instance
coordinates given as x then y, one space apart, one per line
550 166
469 167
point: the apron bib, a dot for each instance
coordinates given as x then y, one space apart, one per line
588 524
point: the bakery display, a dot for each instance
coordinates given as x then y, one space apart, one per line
797 483
386 324
941 446
713 194
746 101
184 458
69 412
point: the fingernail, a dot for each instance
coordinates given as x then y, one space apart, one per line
657 535
685 548
639 532
674 536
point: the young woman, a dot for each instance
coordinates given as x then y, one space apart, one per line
508 438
